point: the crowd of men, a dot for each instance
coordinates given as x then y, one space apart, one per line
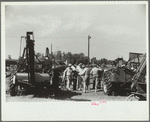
79 77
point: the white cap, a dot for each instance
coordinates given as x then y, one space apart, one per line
69 65
73 68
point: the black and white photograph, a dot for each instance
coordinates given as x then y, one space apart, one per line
84 54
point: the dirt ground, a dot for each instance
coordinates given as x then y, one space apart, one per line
64 95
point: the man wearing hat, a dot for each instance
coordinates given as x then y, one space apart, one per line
68 74
86 77
74 77
96 75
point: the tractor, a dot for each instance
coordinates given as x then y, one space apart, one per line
119 79
35 74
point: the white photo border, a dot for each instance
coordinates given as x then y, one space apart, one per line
62 111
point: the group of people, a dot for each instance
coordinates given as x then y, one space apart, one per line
79 76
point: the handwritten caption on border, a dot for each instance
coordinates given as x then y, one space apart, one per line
97 103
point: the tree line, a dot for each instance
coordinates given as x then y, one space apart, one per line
76 58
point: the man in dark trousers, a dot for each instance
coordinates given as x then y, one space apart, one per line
74 79
96 75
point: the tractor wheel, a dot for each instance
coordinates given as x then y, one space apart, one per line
107 88
13 88
132 97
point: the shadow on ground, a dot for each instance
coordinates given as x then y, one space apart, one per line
62 95
117 93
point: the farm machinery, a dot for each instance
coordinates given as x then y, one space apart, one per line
33 73
129 76
139 82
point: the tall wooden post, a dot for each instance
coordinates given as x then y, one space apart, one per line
51 49
89 47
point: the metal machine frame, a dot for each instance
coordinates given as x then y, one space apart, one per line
29 78
132 82
138 86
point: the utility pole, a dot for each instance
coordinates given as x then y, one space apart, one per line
51 49
89 47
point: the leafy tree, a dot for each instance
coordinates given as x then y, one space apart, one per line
64 56
76 58
9 56
59 55
69 56
38 54
93 60
86 60
72 61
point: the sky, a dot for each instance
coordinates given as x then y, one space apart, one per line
115 29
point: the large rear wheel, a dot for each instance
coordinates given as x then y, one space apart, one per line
13 88
132 97
108 88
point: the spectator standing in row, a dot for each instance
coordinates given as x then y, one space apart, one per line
79 78
68 74
86 77
96 75
74 77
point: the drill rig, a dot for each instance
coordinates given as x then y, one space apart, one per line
33 73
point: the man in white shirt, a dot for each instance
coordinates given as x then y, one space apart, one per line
73 68
79 78
95 74
68 75
86 77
